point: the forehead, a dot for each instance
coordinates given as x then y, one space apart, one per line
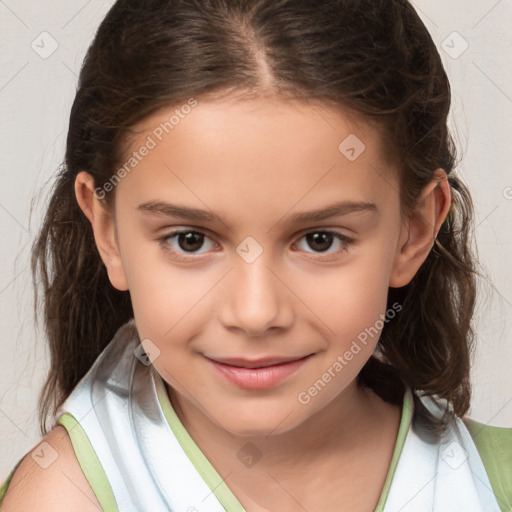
259 150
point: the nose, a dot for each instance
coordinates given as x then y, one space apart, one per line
257 298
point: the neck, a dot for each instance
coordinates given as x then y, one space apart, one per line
351 421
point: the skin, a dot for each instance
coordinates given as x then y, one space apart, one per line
255 163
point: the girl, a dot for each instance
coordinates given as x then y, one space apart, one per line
256 269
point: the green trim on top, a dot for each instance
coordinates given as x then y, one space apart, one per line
217 485
5 485
494 444
89 462
209 474
403 429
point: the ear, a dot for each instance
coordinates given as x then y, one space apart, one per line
104 228
420 230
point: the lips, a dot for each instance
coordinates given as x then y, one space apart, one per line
257 363
257 374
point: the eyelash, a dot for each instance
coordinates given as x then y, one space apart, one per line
164 242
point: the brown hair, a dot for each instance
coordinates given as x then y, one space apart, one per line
372 57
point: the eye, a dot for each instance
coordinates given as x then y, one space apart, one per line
182 244
188 241
322 240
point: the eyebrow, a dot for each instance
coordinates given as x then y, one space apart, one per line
196 214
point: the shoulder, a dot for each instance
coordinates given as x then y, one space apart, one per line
494 445
49 478
491 439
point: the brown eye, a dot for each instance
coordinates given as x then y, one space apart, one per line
322 241
189 242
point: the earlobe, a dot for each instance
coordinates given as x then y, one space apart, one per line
104 229
420 230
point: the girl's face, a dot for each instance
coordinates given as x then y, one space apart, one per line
255 273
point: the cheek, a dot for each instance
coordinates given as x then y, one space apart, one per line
170 301
165 297
350 301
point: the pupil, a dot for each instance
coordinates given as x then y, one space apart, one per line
316 238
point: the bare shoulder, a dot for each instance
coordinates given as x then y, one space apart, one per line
50 479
